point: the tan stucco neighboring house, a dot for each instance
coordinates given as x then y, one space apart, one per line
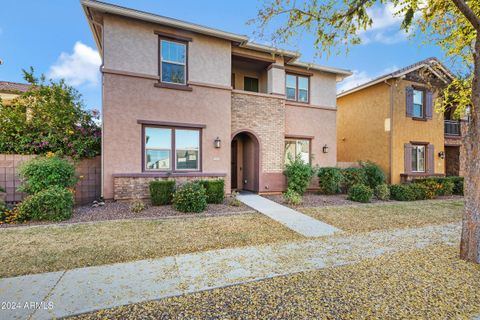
185 101
11 90
392 121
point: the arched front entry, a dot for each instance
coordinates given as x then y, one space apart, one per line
245 159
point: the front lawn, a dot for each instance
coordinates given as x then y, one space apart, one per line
420 284
53 248
384 216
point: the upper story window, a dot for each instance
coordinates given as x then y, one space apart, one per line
173 62
171 149
250 84
418 103
297 88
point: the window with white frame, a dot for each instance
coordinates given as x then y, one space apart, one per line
418 158
297 147
173 61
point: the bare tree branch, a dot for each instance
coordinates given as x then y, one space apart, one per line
468 13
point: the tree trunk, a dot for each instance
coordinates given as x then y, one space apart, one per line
470 242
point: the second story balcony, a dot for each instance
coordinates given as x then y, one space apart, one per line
452 128
250 74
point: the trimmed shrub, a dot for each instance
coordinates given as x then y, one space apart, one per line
54 203
291 197
419 190
446 187
457 185
161 192
402 192
191 197
41 173
352 176
431 188
382 192
298 173
360 193
215 190
374 174
330 180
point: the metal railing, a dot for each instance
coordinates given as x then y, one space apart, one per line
452 127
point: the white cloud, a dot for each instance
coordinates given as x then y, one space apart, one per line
79 67
361 77
385 26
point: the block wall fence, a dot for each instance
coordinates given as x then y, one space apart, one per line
87 189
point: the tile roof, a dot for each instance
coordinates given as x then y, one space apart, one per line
6 86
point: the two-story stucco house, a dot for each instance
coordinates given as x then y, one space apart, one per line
392 121
186 101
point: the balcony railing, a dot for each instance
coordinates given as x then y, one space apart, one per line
452 127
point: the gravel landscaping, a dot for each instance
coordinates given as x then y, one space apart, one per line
431 283
117 210
316 200
389 215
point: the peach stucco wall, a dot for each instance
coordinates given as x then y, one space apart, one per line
128 99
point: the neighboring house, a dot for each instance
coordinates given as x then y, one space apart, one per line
11 90
186 101
392 121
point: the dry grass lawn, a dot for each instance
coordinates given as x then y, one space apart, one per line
420 284
370 217
53 248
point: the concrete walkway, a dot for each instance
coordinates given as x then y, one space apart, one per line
88 289
294 220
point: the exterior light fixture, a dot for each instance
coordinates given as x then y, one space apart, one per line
325 149
218 143
441 155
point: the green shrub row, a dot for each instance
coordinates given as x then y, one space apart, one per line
360 193
54 203
190 197
447 185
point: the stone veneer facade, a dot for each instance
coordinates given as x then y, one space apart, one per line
264 115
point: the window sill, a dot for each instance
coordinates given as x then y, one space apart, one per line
419 119
166 174
173 86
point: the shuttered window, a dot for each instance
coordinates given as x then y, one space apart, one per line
419 103
419 158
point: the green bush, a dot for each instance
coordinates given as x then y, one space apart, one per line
137 206
457 184
41 173
382 192
215 190
360 193
444 185
352 176
330 180
374 174
420 191
291 197
2 190
432 187
54 203
298 173
402 192
191 197
161 192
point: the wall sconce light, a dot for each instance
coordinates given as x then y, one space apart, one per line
441 155
218 143
325 149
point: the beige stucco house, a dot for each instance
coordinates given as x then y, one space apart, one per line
392 121
186 101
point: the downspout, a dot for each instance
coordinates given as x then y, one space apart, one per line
390 162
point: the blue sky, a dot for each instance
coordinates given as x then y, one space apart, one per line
54 38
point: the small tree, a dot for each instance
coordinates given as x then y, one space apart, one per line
49 117
298 173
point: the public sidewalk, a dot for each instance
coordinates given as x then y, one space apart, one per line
87 289
292 219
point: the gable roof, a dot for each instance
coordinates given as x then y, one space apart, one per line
432 63
14 87
243 41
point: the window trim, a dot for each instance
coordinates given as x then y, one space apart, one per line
167 84
293 138
173 153
425 157
297 89
424 103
